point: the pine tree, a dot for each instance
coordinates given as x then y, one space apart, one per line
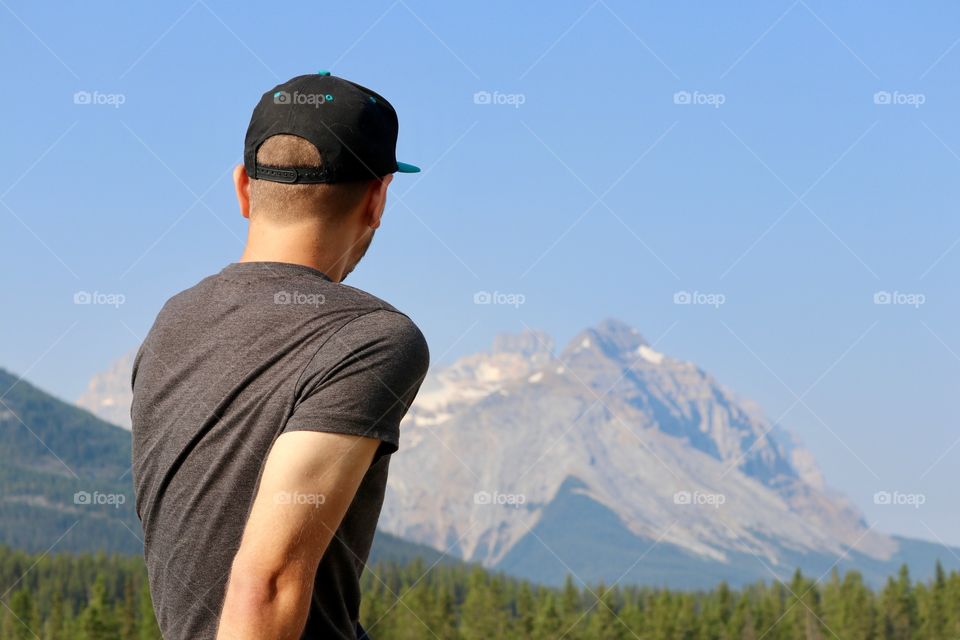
934 614
632 616
662 619
525 611
572 609
147 628
771 621
953 605
128 610
25 619
725 603
685 612
53 627
741 625
443 620
858 609
410 619
899 607
97 621
482 616
548 622
602 621
6 623
570 599
804 618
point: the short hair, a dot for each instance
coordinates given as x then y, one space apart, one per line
285 203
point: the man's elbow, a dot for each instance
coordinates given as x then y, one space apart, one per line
255 584
251 589
265 598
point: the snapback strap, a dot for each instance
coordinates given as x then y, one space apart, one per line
291 175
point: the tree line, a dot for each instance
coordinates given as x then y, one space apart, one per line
106 597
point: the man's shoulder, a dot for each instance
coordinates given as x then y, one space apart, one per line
364 301
388 327
374 314
191 294
383 342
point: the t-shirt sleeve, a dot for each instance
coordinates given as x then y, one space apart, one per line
363 379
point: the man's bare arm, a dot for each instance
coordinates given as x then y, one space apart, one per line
308 482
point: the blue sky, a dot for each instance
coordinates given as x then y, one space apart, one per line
795 158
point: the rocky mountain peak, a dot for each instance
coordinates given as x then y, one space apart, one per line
638 429
610 338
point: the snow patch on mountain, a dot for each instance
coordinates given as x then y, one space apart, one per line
649 354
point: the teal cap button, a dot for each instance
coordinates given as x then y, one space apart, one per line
323 72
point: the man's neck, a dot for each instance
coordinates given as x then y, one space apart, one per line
298 245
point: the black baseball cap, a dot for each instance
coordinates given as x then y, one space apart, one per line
353 128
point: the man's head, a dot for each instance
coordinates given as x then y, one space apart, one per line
318 157
341 214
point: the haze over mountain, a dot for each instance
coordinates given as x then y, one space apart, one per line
612 461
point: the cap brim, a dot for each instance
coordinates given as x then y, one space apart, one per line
403 167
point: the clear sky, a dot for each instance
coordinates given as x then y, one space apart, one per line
791 159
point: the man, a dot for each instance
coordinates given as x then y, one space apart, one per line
267 398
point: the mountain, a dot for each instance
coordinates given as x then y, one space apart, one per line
616 462
109 394
65 479
64 475
613 461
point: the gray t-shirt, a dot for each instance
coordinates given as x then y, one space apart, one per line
230 364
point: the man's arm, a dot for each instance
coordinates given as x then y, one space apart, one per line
308 482
350 400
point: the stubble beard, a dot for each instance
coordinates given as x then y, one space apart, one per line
358 255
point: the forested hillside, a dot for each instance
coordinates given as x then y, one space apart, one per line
87 597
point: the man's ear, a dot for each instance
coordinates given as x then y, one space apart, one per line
378 200
241 184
